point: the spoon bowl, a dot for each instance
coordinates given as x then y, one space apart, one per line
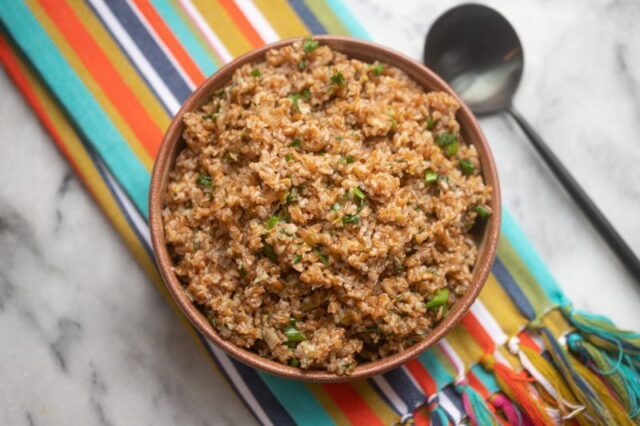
477 51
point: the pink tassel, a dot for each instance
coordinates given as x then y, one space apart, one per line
509 410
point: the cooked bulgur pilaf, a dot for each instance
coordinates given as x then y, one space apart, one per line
320 213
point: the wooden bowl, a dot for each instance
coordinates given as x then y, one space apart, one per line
486 236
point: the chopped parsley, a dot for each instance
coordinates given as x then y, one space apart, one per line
256 72
297 258
338 79
295 143
336 207
302 64
445 139
378 69
431 123
348 159
350 219
288 157
306 94
204 180
295 97
243 270
467 167
271 222
321 256
309 45
268 251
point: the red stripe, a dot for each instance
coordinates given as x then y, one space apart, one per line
477 385
420 418
478 333
422 376
241 21
527 341
170 41
352 404
98 65
12 66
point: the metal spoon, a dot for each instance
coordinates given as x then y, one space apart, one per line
477 51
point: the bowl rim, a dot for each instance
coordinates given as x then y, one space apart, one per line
164 163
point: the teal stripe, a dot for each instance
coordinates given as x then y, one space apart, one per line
435 369
487 379
186 37
348 20
298 400
531 259
78 101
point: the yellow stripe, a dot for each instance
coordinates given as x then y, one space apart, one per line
465 346
195 32
511 359
327 403
226 30
120 62
93 180
555 321
90 83
375 402
282 18
325 15
499 304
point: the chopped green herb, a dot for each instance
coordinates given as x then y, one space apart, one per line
221 93
358 193
394 123
306 94
293 334
321 257
430 176
294 362
214 322
350 219
339 138
271 222
295 97
336 207
302 64
310 45
211 116
441 297
467 167
256 72
243 270
297 258
295 143
445 139
451 149
204 180
268 251
483 211
348 159
431 123
377 69
288 157
338 79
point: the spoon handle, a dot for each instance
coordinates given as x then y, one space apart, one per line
598 220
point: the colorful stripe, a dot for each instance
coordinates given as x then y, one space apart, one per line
120 69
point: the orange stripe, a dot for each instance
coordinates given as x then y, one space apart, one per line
527 341
105 74
477 385
242 22
478 332
170 41
352 404
422 376
10 62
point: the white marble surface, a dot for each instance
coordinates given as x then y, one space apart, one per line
85 339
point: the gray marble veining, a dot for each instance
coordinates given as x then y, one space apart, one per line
86 339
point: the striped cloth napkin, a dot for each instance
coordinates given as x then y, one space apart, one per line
105 77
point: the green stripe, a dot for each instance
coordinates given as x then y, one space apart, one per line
298 401
532 260
88 116
348 20
187 38
327 18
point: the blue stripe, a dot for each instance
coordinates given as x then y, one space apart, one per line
309 19
512 289
455 398
435 368
85 113
150 49
530 257
186 37
487 378
405 388
383 395
348 20
298 401
262 394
